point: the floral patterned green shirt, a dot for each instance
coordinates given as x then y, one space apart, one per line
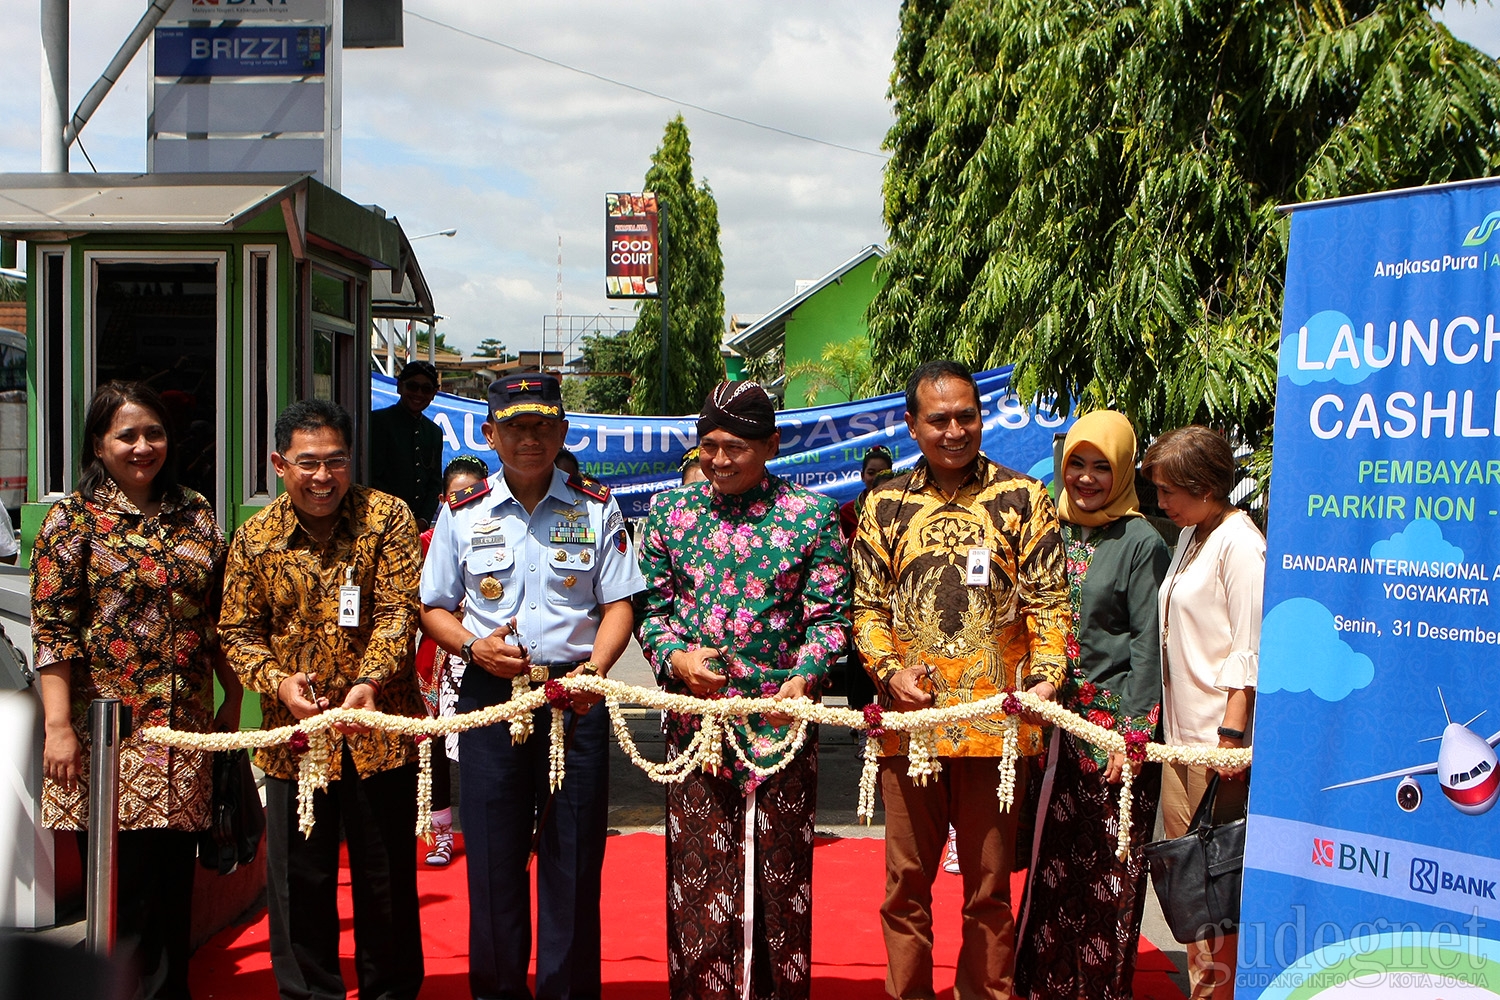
761 577
1114 648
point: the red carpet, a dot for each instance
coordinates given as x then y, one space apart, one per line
848 954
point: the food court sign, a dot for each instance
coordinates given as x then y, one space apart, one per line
631 246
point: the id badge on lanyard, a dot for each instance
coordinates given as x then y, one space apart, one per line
349 601
978 572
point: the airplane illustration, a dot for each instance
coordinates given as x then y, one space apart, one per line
1467 770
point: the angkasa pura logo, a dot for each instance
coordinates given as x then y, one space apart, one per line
1481 233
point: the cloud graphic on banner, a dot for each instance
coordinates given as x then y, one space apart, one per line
1420 541
1300 650
1325 348
1041 471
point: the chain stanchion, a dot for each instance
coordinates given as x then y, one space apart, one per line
109 724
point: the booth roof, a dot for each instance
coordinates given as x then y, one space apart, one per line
63 205
83 203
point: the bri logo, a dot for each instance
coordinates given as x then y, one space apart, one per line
1427 876
1351 858
1481 233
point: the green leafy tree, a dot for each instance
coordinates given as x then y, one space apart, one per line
489 347
607 393
1088 189
421 341
844 368
766 369
695 288
575 395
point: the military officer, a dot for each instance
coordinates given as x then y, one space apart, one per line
543 566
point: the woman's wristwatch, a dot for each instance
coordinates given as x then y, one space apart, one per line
1231 734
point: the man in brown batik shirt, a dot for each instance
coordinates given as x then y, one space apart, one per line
959 594
296 631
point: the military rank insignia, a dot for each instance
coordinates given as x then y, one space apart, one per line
468 494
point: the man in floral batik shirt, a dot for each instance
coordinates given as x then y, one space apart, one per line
747 594
959 594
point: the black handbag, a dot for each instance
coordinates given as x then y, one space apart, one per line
237 819
1197 875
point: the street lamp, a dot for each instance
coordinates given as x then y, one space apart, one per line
440 232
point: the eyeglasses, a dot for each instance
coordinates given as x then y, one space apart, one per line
309 466
423 388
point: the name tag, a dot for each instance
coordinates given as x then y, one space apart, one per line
349 601
978 573
495 541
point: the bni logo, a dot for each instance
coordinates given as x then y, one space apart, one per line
1424 876
1482 232
1323 852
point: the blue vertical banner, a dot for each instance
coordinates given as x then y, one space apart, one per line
1373 851
822 447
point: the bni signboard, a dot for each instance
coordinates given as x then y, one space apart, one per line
631 261
246 85
1372 864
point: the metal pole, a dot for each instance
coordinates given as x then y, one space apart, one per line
54 85
662 300
101 87
109 723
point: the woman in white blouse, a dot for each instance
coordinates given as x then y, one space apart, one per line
1209 609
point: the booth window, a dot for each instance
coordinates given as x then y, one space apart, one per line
52 363
158 323
260 371
332 354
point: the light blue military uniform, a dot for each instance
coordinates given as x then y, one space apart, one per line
551 570
554 567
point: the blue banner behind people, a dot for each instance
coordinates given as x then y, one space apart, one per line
1373 857
821 447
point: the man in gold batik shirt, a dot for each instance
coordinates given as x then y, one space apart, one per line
959 594
320 606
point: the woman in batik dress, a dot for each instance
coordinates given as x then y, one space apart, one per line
1081 918
125 585
747 594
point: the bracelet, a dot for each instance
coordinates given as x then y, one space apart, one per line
367 680
1233 734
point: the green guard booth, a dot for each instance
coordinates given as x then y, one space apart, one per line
231 294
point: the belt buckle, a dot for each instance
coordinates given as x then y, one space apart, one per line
538 674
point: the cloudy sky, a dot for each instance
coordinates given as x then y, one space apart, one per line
455 131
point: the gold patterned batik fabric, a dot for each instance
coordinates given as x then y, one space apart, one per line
129 602
913 605
281 615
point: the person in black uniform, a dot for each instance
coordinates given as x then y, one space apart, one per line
406 447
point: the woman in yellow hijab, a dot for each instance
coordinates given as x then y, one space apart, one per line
1081 917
